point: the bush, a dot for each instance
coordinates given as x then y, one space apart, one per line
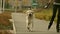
4 21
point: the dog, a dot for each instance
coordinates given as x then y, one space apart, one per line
29 19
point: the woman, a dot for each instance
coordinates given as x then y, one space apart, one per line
56 6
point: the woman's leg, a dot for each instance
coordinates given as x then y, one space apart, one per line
53 16
58 20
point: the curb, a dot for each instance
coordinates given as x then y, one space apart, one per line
14 29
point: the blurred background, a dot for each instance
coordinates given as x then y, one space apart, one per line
22 4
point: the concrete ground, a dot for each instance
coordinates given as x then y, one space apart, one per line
40 26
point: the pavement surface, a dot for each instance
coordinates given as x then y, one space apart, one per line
40 26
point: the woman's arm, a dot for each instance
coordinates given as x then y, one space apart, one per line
48 4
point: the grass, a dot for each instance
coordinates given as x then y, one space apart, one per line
45 14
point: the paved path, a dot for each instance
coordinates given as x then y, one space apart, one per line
40 26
